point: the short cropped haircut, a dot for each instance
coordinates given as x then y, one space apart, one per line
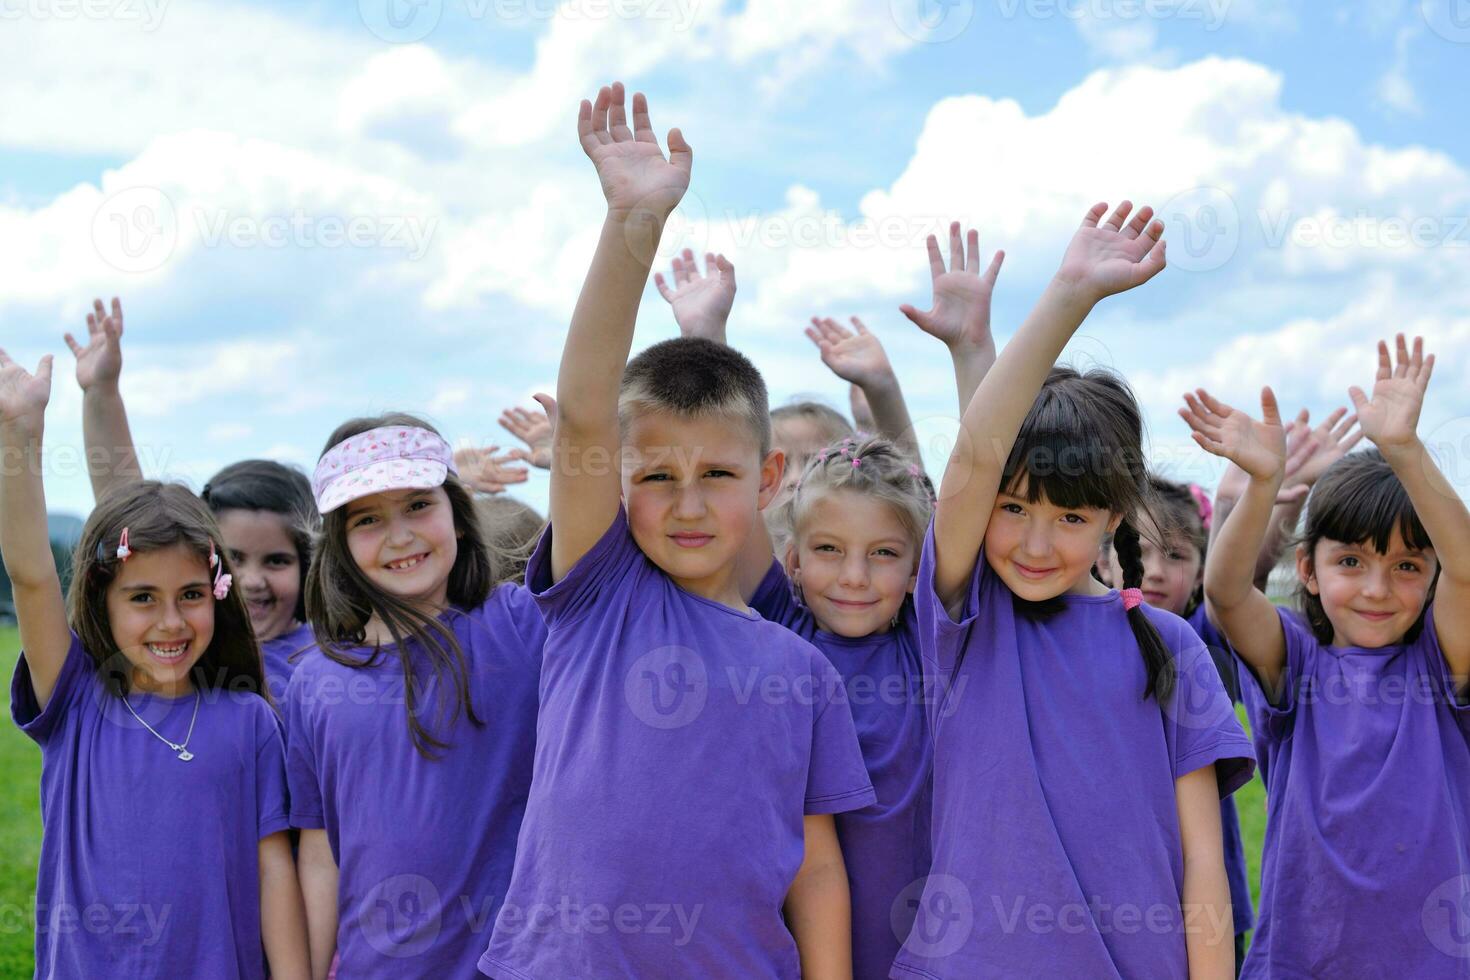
695 378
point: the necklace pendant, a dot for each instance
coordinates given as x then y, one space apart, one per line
185 755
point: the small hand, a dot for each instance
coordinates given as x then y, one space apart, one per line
701 302
23 396
635 176
1258 448
481 470
532 428
1322 446
1391 417
855 357
100 362
1114 257
960 313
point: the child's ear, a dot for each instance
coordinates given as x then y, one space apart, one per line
773 469
1304 569
1113 523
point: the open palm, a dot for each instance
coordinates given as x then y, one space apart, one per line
23 396
856 357
701 303
1257 447
634 174
1391 416
100 361
532 428
1114 256
961 308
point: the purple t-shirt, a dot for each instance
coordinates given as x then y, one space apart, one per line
424 847
1235 867
1366 864
885 846
1057 849
280 656
681 743
150 864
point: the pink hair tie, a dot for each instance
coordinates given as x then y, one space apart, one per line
857 461
1132 599
123 551
1202 500
222 579
913 469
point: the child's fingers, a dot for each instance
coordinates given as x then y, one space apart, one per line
918 317
859 324
956 248
1154 262
617 114
1120 215
1094 215
663 287
642 127
1347 444
995 263
1208 445
1424 374
936 260
1360 400
727 269
681 154
1344 427
813 336
1385 366
710 266
43 369
1270 413
1291 495
972 251
5 360
1139 222
71 342
1214 404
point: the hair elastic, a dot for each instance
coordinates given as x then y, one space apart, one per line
123 551
1202 500
222 579
1132 599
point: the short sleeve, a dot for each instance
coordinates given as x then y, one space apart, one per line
1273 719
774 601
513 604
25 708
941 638
302 782
594 577
1200 723
270 776
837 778
1437 668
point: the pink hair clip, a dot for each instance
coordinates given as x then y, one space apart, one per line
1202 500
1132 599
913 469
857 461
222 579
123 551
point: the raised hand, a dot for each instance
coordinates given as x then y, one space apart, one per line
1113 257
701 302
855 357
1391 417
100 361
480 469
532 428
23 396
1321 447
1258 448
636 179
960 312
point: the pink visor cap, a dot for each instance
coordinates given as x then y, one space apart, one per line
391 457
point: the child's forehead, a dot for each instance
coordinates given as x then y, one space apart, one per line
1397 547
676 438
161 566
850 515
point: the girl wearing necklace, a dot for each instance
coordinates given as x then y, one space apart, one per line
164 850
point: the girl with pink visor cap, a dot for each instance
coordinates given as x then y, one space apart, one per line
411 725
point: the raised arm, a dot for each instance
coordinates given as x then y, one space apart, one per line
534 429
856 356
1100 261
24 541
960 315
1391 420
1234 603
483 471
111 459
642 189
701 303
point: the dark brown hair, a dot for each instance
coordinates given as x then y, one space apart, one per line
1176 514
1359 500
691 377
157 515
263 484
340 599
1081 445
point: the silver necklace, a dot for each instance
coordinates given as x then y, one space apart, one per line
182 748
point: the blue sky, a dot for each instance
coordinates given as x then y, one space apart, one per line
1312 161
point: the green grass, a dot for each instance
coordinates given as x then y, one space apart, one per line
20 829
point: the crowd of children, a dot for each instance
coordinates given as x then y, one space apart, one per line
761 698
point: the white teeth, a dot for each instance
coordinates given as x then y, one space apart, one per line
167 652
405 563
